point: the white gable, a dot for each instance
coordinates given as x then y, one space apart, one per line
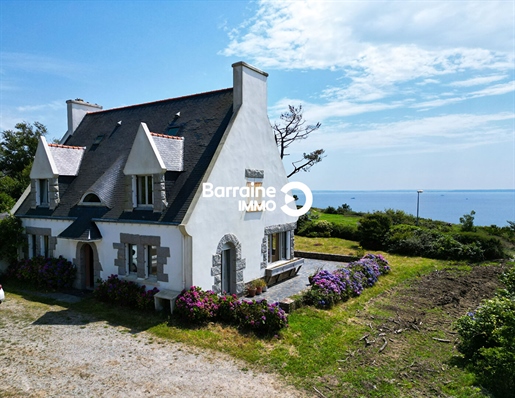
44 166
144 158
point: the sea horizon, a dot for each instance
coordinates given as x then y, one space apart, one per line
492 206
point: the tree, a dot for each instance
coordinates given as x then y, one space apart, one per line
467 222
291 129
17 150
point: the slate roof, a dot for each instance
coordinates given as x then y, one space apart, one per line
202 122
66 158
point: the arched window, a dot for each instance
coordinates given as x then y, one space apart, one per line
91 198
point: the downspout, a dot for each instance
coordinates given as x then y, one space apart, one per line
186 253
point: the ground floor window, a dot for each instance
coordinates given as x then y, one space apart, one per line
279 246
150 258
151 261
132 258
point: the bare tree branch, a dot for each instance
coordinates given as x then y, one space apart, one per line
293 128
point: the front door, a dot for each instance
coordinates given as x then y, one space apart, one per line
89 267
226 270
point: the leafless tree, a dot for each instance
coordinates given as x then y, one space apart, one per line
291 128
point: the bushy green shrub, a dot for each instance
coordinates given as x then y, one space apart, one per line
11 238
491 246
330 210
317 229
47 273
125 293
349 232
372 229
488 344
416 241
261 317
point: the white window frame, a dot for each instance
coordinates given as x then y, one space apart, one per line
150 260
283 240
137 192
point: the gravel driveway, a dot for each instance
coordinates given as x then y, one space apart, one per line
50 351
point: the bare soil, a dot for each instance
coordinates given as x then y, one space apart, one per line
51 351
404 325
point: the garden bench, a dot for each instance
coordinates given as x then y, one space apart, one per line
163 295
283 271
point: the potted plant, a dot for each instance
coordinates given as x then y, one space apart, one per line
258 284
251 290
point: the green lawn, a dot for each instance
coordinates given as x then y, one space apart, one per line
323 349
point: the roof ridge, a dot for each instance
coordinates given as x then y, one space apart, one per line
66 146
163 100
166 136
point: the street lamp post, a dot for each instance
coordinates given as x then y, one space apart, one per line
418 201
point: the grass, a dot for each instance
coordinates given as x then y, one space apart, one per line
315 350
326 245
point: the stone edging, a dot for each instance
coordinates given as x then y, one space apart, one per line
326 256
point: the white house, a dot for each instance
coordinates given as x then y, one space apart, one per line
157 192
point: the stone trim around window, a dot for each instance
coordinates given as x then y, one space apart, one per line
273 229
141 240
38 231
254 173
216 269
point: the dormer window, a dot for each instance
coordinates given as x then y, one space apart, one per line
145 190
91 199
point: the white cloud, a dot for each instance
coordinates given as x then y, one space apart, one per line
477 81
437 134
379 45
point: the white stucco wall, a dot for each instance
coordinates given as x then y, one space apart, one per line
248 144
170 237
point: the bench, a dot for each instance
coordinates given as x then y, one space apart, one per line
163 295
283 271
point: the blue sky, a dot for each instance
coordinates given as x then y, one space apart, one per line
410 94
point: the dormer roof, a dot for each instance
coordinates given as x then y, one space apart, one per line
53 160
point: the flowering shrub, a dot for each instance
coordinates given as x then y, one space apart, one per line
49 273
125 293
261 317
328 288
197 305
227 309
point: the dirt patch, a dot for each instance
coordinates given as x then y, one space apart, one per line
410 329
51 351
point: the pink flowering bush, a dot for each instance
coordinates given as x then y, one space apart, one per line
125 293
329 288
47 273
261 317
198 306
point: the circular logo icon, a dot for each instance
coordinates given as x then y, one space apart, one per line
288 199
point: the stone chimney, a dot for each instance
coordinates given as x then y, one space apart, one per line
249 87
77 109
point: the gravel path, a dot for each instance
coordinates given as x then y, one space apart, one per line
49 351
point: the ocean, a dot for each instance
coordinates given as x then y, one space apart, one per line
492 207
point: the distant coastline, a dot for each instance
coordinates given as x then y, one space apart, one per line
492 206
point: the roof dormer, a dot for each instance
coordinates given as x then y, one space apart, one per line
50 162
151 156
